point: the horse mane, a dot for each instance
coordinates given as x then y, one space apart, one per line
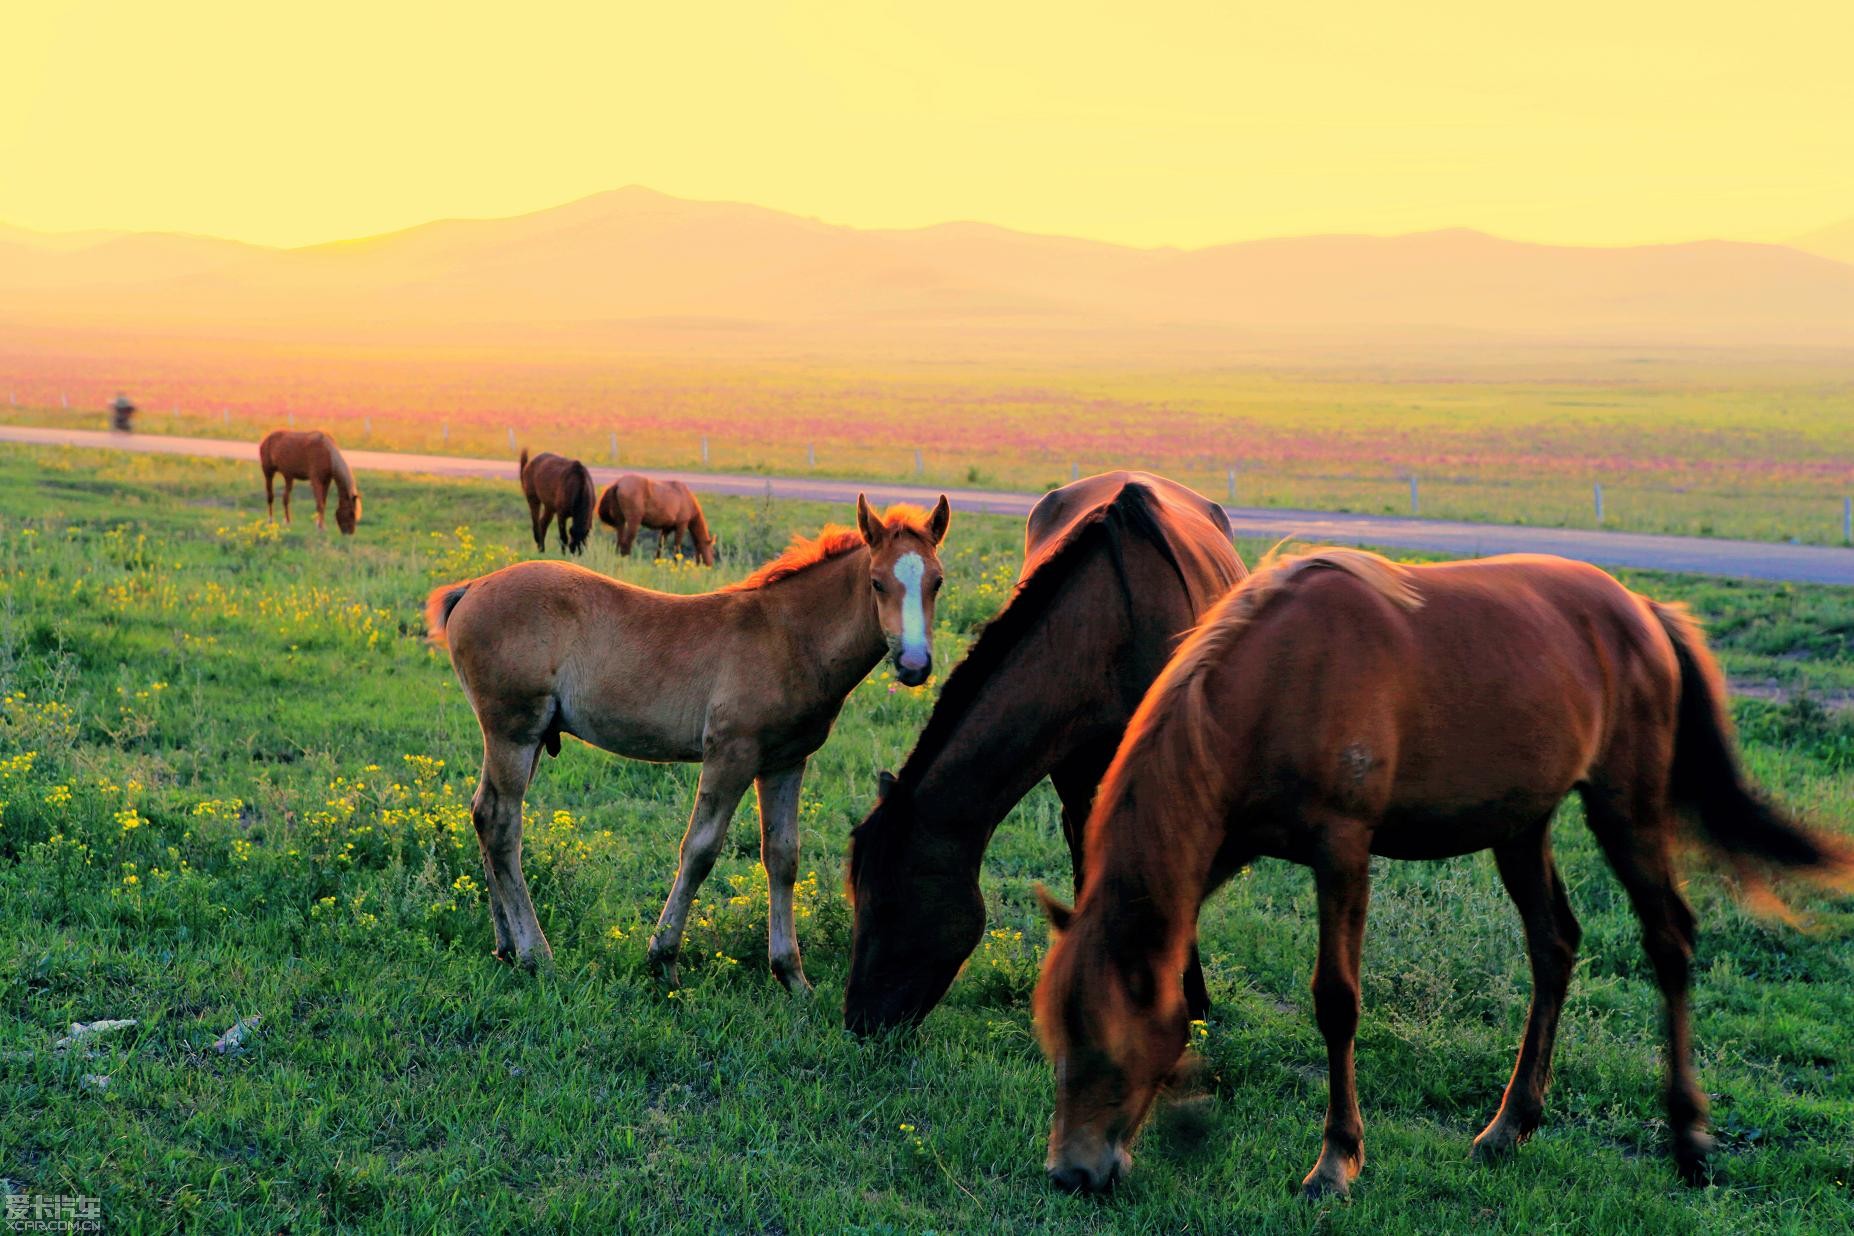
1130 510
1174 723
338 465
832 541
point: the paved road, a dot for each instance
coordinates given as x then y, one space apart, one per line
1747 559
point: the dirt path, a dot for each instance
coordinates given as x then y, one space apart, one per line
1746 559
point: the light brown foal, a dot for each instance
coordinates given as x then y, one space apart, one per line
747 680
632 503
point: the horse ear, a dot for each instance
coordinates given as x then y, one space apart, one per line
1059 915
942 516
873 529
885 783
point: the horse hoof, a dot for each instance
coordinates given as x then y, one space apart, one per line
1496 1145
796 984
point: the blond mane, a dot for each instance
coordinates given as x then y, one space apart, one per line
832 541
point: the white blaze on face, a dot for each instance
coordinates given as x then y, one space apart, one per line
908 571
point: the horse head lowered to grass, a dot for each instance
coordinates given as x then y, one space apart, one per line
747 680
1116 569
1337 706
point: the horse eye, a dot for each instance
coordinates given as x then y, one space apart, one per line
877 585
938 582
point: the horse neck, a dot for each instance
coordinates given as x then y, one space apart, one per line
698 524
826 612
1026 719
338 469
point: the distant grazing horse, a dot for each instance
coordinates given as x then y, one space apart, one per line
554 484
309 455
1117 568
634 502
748 680
1337 706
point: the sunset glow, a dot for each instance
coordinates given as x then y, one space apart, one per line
1188 124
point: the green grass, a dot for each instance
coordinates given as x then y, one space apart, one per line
261 714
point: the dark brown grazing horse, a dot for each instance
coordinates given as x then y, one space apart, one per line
309 455
1337 706
747 680
556 485
1116 569
632 503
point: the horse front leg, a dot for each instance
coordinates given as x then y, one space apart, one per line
539 515
779 794
1552 934
1342 877
727 770
318 488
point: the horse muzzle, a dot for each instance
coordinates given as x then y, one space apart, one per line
1096 1173
913 668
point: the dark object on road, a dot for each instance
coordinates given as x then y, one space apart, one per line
121 411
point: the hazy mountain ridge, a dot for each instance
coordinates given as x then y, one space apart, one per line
634 256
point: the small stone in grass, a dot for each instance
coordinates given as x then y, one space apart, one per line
233 1040
81 1030
96 1081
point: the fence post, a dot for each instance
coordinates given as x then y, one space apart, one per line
920 468
65 400
1847 520
811 454
1415 506
370 426
614 448
1599 501
704 450
292 420
447 433
1232 481
225 418
1074 472
511 437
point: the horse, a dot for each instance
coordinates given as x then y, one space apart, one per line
1116 569
634 502
309 455
556 485
1338 705
747 680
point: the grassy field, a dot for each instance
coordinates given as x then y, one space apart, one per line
1681 443
236 781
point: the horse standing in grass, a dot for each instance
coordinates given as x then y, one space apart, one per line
309 455
1116 569
748 680
1337 706
555 485
632 503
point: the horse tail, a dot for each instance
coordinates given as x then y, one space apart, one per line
580 498
522 464
438 607
1757 837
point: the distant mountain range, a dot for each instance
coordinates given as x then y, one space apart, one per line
636 260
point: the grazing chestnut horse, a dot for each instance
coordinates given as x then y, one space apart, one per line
1116 569
309 455
556 485
1337 706
634 502
747 680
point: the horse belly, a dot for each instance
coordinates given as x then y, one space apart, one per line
639 718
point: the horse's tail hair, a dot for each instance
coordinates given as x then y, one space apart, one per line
522 464
438 607
1754 835
581 496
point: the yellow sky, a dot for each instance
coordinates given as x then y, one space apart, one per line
1160 122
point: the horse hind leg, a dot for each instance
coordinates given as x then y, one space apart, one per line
496 811
1342 877
1637 841
270 494
289 487
538 516
1552 934
318 488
